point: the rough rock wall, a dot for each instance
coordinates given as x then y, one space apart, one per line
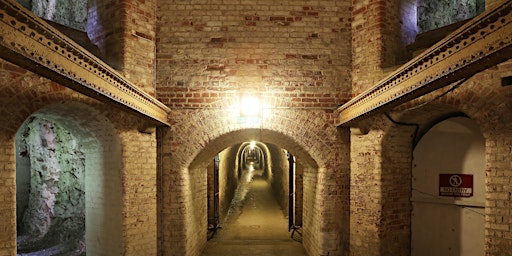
55 211
439 13
71 13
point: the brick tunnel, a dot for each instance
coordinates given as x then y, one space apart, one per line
251 197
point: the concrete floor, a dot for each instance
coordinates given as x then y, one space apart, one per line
258 227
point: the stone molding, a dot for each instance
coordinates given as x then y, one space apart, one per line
483 42
28 41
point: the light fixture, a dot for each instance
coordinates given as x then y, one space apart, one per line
250 106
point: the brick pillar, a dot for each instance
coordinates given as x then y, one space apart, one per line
139 182
367 44
379 36
380 190
8 198
124 31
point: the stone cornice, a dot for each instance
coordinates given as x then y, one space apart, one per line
481 43
31 43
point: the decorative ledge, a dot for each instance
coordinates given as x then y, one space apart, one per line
483 42
31 43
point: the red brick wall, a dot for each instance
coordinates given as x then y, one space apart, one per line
124 31
367 41
293 56
381 31
298 52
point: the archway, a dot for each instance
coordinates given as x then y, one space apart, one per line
189 146
239 140
448 190
256 177
70 158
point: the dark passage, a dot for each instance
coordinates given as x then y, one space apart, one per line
255 225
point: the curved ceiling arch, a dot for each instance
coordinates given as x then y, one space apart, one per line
264 136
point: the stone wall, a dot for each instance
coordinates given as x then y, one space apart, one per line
69 13
54 212
436 14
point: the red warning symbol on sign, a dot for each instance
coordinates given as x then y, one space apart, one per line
456 185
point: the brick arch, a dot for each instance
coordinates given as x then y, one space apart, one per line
207 132
197 135
108 131
80 118
103 176
243 135
481 98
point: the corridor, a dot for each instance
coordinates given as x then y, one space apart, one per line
255 225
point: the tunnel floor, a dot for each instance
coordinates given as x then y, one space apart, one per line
258 227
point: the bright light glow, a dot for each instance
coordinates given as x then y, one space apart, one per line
252 144
250 106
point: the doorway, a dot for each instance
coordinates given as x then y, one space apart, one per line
69 186
258 215
448 190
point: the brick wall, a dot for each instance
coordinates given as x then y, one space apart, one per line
485 100
140 45
379 223
139 192
311 209
228 177
367 44
279 178
124 31
293 55
297 51
8 196
197 135
381 32
111 136
380 189
105 28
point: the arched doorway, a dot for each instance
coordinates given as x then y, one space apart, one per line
448 190
69 189
234 142
254 180
199 135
